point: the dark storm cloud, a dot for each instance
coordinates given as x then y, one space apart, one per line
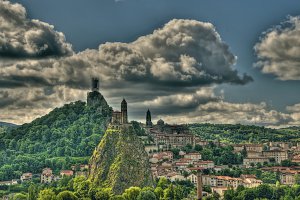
4 83
182 54
5 100
278 50
23 37
171 70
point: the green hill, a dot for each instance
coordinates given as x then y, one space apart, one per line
237 133
65 136
120 161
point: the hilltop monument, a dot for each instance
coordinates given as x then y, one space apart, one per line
96 100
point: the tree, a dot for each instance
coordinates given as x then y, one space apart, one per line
169 193
81 186
20 196
178 193
117 197
163 183
147 195
247 194
198 147
131 193
264 191
32 192
159 192
66 195
287 163
103 194
46 194
229 194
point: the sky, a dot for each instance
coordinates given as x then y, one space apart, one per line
187 61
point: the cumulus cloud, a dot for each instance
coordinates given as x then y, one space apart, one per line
294 111
230 113
278 50
183 53
23 37
175 69
181 102
26 104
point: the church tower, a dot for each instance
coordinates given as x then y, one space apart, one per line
148 119
124 116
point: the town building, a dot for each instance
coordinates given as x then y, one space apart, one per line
250 181
193 156
248 162
8 183
278 155
26 177
47 176
171 136
248 147
288 177
221 181
296 158
205 164
174 176
66 173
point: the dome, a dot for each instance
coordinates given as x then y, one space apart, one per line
160 122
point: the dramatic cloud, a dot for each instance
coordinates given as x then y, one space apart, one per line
23 37
231 113
180 102
26 104
182 53
278 51
174 70
295 114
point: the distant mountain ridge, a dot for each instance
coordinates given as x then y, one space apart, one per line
8 124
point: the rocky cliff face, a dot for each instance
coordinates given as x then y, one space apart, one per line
120 161
96 100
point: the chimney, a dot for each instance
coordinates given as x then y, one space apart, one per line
199 185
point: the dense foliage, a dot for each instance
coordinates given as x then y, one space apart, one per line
219 154
278 192
237 133
65 136
81 188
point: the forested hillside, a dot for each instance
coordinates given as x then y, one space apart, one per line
237 133
65 136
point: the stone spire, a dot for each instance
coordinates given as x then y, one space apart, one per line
124 116
148 119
